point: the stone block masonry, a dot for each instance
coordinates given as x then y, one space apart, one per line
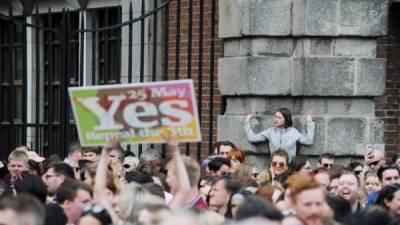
366 18
314 57
302 76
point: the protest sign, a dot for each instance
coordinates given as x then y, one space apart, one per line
136 113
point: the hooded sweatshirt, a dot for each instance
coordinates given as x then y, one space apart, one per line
282 138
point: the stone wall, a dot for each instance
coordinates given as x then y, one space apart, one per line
314 57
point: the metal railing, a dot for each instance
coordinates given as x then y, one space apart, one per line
40 116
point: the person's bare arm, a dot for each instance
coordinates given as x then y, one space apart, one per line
99 189
251 135
183 191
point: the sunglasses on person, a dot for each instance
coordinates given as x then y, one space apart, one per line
99 212
278 164
374 163
327 165
92 208
357 172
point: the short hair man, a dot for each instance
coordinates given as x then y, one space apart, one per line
91 154
334 173
220 193
326 160
308 199
219 166
279 162
55 176
348 189
222 148
17 164
21 210
387 174
194 199
74 154
73 196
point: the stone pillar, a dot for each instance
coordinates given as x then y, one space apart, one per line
314 57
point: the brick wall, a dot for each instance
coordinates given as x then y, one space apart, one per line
206 67
387 106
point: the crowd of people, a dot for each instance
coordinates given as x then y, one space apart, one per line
109 185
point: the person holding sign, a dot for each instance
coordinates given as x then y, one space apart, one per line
282 135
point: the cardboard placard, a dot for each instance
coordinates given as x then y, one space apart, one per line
136 113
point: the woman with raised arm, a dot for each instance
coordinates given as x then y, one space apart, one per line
282 135
177 172
100 195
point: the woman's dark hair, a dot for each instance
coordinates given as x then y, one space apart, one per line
387 193
287 115
33 185
54 212
340 207
217 163
254 206
218 144
241 194
354 165
297 163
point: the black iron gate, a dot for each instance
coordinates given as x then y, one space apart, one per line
44 53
